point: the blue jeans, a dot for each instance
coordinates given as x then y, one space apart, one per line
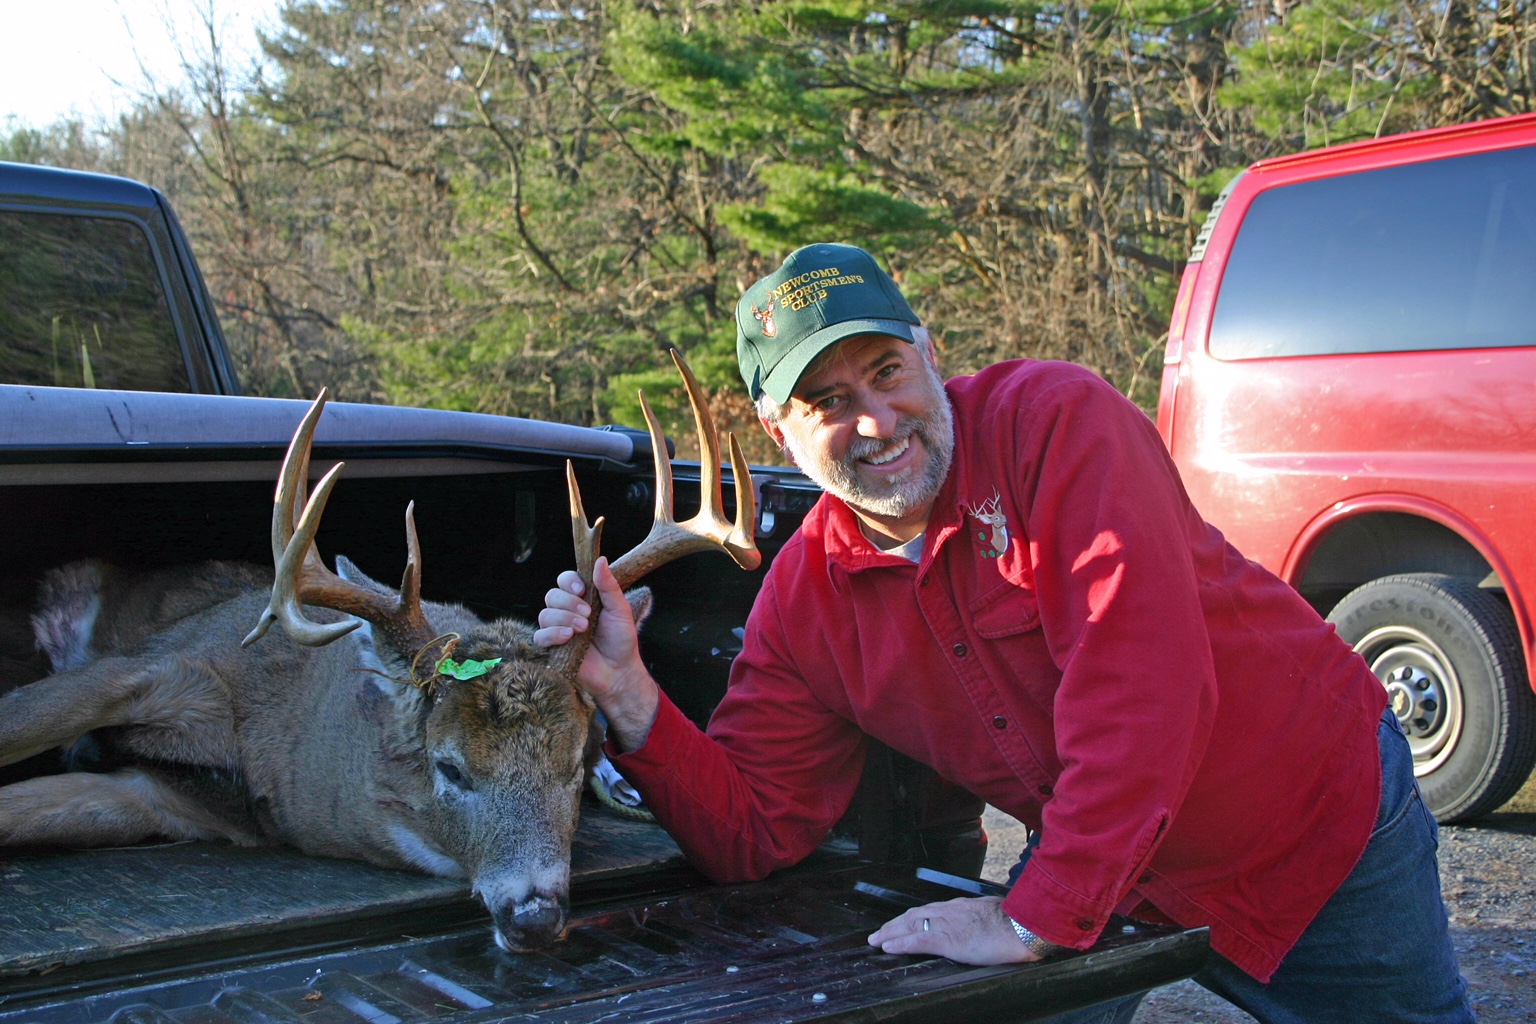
1378 951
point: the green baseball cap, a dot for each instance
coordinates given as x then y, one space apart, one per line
822 294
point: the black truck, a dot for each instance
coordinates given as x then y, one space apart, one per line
123 437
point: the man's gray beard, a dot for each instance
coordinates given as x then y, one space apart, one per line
936 432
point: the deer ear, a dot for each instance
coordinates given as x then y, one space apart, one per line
597 733
348 570
641 602
389 671
383 671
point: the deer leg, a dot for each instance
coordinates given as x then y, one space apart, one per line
82 809
178 701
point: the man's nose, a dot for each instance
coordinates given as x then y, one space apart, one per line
876 417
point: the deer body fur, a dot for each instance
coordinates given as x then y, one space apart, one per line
331 750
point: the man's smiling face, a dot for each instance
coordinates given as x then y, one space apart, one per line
871 424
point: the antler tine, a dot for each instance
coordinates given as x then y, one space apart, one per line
588 541
668 539
302 578
744 531
709 529
291 495
740 539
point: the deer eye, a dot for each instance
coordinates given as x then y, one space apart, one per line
450 772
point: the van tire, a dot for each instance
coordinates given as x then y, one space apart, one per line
1449 655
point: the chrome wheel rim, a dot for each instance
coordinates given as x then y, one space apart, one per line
1423 691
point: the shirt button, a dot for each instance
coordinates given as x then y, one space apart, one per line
1046 789
1086 924
1000 722
959 650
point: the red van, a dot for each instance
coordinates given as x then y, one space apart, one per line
1349 391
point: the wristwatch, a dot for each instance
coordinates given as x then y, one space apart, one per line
1034 943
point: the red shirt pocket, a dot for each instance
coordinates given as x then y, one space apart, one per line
1006 610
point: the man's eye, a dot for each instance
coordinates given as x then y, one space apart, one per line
829 403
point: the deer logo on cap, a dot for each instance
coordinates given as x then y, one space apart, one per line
765 317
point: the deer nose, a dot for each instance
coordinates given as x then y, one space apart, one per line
540 915
532 924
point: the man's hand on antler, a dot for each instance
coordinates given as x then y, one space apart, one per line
612 671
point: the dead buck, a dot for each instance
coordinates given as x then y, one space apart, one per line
398 764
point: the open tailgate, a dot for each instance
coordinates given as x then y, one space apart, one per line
209 934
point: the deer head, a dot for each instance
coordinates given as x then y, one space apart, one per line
764 316
991 515
490 736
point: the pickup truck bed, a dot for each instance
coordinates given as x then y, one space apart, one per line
201 933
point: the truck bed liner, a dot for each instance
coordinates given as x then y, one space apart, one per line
89 909
789 949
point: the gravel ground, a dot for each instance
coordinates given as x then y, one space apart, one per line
1488 875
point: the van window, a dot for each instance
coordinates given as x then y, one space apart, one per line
1436 255
82 305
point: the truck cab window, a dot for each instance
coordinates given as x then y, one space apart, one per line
82 305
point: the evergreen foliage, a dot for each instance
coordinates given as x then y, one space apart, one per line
517 207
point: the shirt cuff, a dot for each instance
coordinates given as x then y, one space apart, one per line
1053 912
656 758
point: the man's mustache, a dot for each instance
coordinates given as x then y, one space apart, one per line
864 447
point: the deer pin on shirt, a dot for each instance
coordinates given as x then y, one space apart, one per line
992 535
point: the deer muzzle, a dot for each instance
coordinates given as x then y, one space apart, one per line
532 924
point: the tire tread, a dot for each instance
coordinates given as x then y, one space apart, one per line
1493 624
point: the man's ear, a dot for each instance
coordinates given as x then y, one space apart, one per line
774 431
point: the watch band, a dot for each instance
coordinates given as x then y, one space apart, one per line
1032 942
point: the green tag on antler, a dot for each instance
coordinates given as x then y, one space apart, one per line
466 669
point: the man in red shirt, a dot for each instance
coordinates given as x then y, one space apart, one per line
1006 581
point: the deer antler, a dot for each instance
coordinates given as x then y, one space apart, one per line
709 530
986 508
302 577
